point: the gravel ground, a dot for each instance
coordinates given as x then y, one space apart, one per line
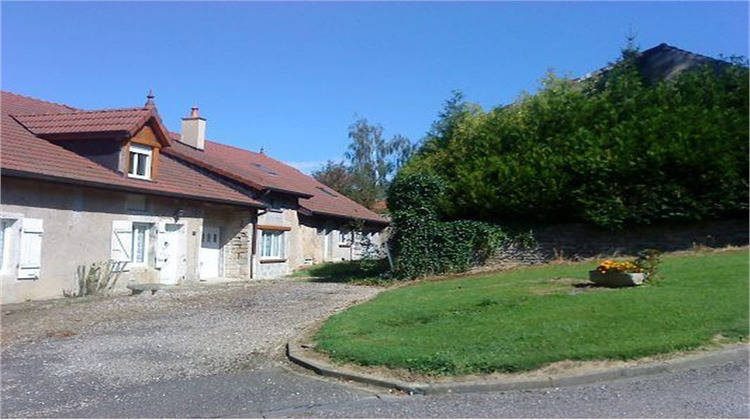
183 333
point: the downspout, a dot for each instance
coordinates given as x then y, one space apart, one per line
254 245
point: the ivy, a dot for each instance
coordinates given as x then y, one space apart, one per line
423 242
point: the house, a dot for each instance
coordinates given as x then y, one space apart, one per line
84 186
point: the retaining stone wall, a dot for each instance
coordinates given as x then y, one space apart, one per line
577 241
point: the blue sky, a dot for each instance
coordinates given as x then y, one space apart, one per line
292 76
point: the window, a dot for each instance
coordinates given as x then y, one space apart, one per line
275 205
130 242
264 169
329 192
272 244
140 161
140 243
345 238
6 242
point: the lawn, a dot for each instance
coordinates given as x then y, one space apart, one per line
525 318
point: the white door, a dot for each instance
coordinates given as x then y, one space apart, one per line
171 257
210 252
331 244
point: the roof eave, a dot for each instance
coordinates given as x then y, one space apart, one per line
341 216
72 181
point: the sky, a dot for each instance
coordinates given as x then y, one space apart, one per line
291 77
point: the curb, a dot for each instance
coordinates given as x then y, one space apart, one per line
735 353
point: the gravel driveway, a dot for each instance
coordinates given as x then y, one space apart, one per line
183 333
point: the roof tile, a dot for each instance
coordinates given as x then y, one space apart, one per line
25 154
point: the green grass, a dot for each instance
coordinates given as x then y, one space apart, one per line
355 272
526 318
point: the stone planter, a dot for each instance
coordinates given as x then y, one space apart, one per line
617 279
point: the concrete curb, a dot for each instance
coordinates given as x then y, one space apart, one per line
735 353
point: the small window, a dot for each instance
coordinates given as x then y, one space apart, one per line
264 169
140 161
345 238
327 191
272 244
275 204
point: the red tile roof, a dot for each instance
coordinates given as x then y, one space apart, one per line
22 153
272 174
25 153
80 123
126 120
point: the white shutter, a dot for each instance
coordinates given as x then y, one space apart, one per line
161 256
122 240
30 261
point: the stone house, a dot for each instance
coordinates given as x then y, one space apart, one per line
83 186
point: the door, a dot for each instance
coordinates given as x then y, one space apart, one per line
210 252
172 256
331 244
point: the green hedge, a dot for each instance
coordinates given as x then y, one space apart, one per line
612 151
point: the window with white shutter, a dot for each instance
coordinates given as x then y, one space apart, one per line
30 259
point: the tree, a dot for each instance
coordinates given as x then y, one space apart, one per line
371 161
337 176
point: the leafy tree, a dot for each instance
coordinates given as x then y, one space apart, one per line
337 176
371 162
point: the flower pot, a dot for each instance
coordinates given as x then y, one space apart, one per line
616 279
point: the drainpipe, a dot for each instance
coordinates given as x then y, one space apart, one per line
254 244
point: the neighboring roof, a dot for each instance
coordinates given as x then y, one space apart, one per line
24 154
240 164
664 62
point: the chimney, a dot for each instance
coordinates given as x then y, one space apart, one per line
194 130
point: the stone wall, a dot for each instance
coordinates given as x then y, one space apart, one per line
577 241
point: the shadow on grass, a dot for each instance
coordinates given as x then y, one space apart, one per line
354 272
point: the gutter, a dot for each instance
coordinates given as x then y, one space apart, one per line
308 212
125 188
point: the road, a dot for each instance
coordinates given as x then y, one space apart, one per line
182 358
273 389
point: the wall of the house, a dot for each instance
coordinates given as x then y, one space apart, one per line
320 241
236 231
78 230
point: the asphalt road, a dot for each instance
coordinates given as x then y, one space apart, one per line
273 389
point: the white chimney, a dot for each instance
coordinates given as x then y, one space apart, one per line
194 130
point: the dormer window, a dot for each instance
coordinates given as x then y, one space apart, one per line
140 161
